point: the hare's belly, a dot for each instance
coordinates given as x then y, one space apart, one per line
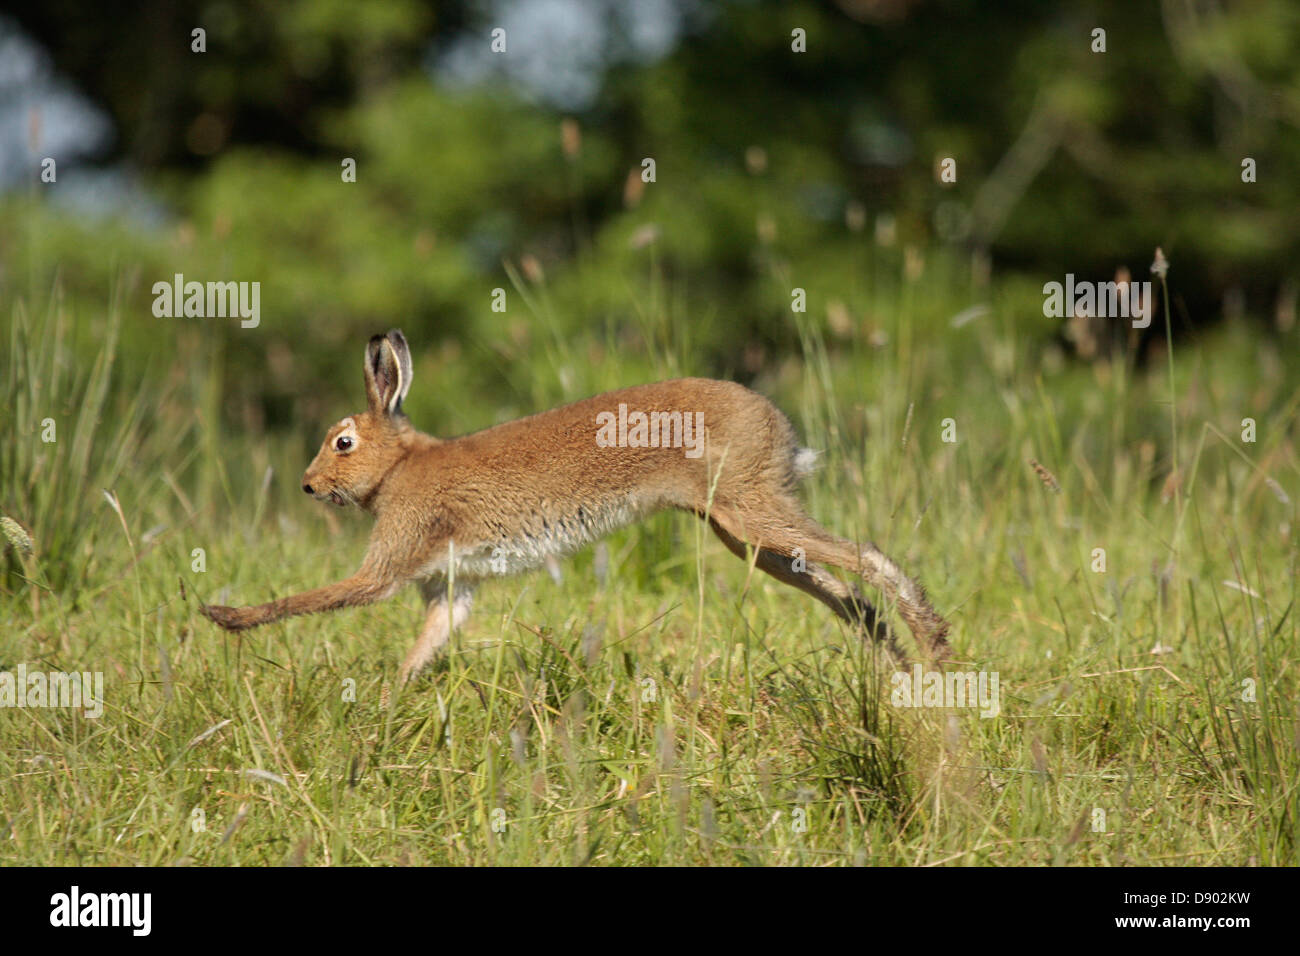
537 537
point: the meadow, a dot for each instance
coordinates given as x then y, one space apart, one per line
657 701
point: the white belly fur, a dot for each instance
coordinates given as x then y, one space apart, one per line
528 552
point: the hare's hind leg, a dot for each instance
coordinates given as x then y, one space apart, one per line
845 600
441 618
778 524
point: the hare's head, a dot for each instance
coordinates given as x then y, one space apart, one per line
359 451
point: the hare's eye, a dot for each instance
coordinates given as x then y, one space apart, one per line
343 443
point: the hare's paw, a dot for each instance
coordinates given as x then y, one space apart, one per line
231 618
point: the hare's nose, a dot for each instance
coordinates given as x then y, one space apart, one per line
307 488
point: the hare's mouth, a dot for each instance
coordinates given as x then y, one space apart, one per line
336 499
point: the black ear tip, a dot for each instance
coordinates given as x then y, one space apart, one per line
397 336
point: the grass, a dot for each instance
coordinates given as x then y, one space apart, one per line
664 704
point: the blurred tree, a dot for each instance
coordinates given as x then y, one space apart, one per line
271 71
1072 153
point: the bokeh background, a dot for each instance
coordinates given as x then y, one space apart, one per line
773 169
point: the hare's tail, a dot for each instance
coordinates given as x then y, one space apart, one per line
805 462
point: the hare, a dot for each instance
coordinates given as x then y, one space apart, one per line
501 501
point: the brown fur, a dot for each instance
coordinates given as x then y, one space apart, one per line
543 485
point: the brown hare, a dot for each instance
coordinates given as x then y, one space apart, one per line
503 500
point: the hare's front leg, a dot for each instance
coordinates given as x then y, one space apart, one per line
391 561
441 618
363 587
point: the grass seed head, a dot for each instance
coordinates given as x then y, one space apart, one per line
16 534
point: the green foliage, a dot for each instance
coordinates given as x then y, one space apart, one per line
70 438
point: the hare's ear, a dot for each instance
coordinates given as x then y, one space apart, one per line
403 354
388 372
